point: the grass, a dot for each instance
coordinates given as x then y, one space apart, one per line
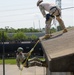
8 61
13 61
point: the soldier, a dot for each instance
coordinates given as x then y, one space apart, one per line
21 58
53 12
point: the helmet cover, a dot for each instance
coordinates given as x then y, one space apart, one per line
20 49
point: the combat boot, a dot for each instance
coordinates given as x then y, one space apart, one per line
65 30
44 64
47 36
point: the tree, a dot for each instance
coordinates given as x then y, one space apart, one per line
5 36
19 36
33 37
52 30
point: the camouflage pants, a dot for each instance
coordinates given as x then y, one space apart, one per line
35 62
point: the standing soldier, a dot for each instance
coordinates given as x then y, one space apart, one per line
21 58
53 12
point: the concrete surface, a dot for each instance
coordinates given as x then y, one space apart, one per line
13 70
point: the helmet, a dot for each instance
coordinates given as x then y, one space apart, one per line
39 1
19 49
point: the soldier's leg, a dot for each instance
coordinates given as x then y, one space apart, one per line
37 62
57 12
47 27
25 64
34 63
34 59
61 23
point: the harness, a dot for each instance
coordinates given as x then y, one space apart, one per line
55 11
52 15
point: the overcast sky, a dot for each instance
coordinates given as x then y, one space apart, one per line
25 13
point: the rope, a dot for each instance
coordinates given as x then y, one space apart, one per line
28 56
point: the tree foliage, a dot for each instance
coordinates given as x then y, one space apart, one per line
12 30
33 37
19 36
3 36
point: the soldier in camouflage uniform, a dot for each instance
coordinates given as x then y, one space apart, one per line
53 12
21 57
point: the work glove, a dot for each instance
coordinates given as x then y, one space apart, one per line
31 51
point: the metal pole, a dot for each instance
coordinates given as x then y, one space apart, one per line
39 26
3 53
34 25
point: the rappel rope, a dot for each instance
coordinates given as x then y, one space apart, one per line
28 56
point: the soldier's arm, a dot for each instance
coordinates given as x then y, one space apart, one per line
42 10
25 54
18 62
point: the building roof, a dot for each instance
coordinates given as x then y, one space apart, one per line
59 45
60 48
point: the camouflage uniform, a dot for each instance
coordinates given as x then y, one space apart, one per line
21 57
53 12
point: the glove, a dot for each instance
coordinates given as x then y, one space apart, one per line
30 51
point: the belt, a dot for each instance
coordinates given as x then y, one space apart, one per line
55 11
53 7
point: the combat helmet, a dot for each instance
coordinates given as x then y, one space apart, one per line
39 1
19 49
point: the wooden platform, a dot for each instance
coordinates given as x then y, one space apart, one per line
59 52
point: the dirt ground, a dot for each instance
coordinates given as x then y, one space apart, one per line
13 70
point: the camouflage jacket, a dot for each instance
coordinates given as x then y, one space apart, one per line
20 58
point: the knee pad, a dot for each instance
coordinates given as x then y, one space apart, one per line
47 17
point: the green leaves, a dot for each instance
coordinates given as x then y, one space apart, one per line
19 36
5 36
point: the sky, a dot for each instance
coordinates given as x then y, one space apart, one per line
25 14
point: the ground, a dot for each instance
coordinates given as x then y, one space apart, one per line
13 70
